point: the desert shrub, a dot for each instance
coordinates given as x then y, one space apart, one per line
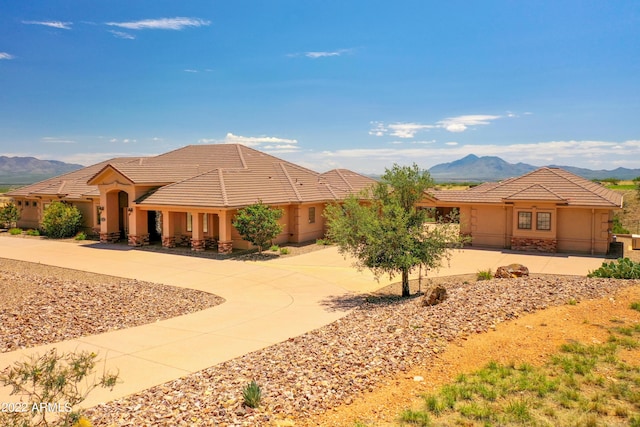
81 236
15 231
484 275
258 224
9 214
274 248
61 220
623 268
58 379
252 394
617 227
33 232
323 242
284 251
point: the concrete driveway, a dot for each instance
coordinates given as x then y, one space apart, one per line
266 302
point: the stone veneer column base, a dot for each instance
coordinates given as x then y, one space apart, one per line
138 240
534 245
113 237
168 241
225 247
197 245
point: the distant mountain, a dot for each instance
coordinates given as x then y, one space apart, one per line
491 168
27 170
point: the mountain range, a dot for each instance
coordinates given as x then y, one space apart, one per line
26 170
491 168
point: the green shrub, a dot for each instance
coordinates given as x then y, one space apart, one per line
252 394
284 251
65 379
33 232
623 268
61 220
9 215
617 227
81 236
15 231
635 306
274 248
484 275
323 242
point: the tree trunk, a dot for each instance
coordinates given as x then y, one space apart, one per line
405 283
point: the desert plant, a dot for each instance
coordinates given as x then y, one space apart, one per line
635 306
9 214
258 224
15 231
252 394
33 232
323 242
617 227
57 380
274 248
284 251
61 220
623 268
484 275
81 236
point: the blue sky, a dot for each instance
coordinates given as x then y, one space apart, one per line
354 84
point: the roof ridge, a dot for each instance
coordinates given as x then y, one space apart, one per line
244 163
584 187
223 188
293 185
344 179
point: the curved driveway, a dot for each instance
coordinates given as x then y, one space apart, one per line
266 303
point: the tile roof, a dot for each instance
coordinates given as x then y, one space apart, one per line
240 176
72 185
544 184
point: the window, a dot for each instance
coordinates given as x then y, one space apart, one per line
35 204
524 220
205 223
543 220
189 222
26 203
312 215
19 202
98 212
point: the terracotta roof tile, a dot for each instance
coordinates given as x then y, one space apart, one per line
551 184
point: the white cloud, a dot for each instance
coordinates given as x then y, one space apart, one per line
54 24
270 144
177 23
451 124
5 55
451 143
188 70
321 54
56 140
122 35
461 123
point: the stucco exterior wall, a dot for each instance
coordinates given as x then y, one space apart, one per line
29 214
487 225
581 230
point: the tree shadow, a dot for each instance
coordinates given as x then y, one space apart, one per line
352 301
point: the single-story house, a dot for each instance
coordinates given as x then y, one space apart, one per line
189 196
547 210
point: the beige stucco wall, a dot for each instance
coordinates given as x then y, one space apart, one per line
29 215
487 224
580 230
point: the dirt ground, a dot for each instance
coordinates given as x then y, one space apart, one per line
531 338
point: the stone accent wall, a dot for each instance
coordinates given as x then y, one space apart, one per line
168 241
225 247
197 245
139 240
183 240
534 245
113 237
211 242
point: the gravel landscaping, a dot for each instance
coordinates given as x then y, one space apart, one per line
324 368
43 304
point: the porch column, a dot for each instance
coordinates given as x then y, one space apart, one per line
138 226
197 237
109 229
225 244
168 229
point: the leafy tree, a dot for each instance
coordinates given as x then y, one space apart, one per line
9 214
386 232
258 224
61 220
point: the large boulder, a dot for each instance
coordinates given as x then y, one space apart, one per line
434 295
511 271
